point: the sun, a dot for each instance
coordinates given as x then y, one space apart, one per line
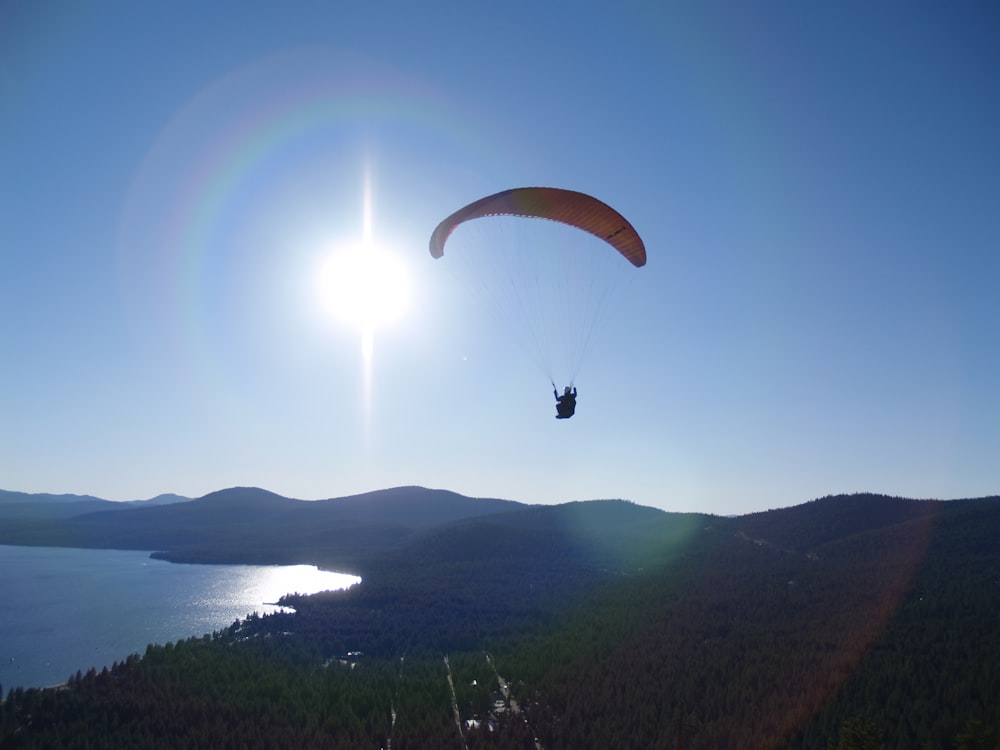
365 287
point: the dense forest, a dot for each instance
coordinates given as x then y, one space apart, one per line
857 621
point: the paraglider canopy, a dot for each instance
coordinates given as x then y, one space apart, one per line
551 280
566 206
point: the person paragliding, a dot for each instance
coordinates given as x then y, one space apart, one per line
566 403
555 304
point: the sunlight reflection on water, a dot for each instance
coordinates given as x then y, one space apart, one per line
226 593
273 583
68 609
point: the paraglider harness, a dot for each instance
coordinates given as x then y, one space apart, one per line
566 403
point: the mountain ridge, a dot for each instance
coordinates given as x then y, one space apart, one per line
609 621
248 524
379 528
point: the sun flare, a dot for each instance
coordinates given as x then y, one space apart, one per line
365 287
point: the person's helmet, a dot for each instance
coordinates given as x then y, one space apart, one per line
566 391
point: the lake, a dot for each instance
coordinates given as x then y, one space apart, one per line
63 610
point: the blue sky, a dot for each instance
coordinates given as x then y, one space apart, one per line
817 186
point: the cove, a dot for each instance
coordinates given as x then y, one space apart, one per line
63 609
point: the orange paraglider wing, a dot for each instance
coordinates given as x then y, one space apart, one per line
566 206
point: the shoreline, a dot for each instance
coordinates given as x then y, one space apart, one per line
56 622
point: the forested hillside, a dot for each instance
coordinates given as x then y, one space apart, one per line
854 621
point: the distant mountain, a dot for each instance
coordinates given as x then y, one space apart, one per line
26 501
22 505
249 524
417 505
592 534
810 525
164 499
8 497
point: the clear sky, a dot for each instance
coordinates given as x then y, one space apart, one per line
817 185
